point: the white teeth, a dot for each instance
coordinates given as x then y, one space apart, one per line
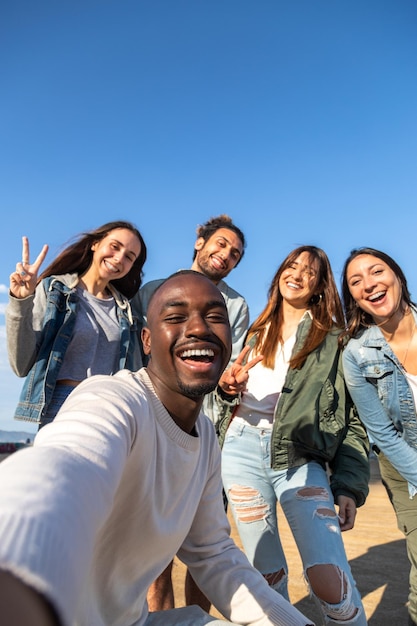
293 285
110 267
188 353
377 295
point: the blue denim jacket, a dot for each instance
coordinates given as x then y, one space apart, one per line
384 400
57 328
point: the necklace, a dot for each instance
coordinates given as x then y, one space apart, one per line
408 346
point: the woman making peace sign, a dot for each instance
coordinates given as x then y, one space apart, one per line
75 319
287 417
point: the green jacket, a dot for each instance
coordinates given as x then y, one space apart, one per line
315 419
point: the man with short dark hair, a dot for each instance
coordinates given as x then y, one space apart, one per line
127 476
218 249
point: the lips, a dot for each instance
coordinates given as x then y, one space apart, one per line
111 267
205 355
218 263
376 297
292 285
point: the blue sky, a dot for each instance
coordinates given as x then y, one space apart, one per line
297 118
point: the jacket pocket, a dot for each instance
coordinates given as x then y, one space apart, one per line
331 420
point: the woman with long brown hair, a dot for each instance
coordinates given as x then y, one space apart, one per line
287 420
380 362
74 320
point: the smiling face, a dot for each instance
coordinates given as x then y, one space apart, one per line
374 286
188 339
217 256
298 281
114 255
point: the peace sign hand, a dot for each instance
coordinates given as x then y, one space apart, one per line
235 378
23 280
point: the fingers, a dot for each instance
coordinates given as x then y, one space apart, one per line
34 267
253 362
40 258
25 250
347 512
240 359
23 280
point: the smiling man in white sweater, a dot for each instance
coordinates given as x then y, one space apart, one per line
125 478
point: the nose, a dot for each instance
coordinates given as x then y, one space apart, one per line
298 273
197 326
369 282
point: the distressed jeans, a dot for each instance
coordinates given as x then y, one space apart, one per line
185 616
253 490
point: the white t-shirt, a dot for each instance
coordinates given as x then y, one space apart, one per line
412 380
264 387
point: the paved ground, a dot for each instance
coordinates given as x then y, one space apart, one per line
377 554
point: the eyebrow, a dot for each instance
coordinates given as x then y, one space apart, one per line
371 267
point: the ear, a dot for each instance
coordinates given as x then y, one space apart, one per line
199 244
146 340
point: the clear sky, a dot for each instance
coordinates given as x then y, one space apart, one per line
298 118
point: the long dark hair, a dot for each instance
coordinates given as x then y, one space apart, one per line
77 258
325 307
356 318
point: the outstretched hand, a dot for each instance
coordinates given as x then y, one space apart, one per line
235 378
23 280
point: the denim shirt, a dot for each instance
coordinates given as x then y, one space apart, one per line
57 328
380 390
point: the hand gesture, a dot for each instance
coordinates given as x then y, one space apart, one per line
235 378
23 280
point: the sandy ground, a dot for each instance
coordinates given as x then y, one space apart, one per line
377 555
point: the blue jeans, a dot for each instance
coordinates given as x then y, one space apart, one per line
61 393
185 616
253 490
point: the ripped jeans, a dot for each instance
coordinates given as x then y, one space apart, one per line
253 490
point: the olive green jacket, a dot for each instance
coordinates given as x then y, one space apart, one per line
315 419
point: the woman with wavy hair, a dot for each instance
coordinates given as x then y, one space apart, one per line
287 421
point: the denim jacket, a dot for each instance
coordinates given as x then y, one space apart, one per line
39 329
315 419
383 397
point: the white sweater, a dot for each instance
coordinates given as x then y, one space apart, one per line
111 491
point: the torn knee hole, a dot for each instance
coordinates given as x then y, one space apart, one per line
337 599
248 504
328 582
